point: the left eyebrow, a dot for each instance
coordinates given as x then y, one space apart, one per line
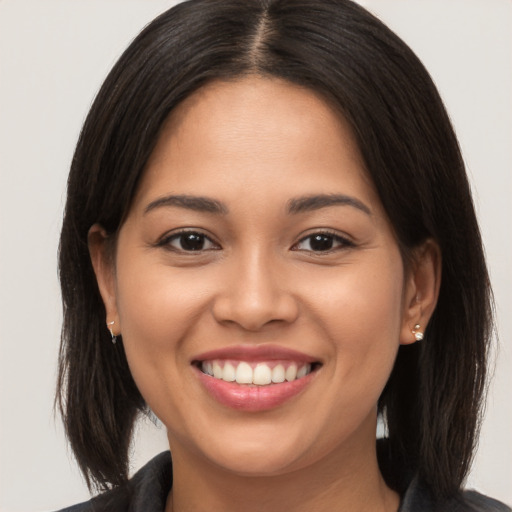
315 202
196 203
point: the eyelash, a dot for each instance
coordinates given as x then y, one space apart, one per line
166 241
342 242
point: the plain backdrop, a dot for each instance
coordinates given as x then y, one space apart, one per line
53 56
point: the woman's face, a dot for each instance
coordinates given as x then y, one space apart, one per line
256 247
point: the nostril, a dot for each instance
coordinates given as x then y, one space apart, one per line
254 312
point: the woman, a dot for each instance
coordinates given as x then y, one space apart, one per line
268 216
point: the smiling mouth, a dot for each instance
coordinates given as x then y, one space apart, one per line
255 378
256 373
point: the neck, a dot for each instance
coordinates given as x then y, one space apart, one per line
347 479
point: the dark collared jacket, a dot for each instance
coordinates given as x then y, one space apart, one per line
148 489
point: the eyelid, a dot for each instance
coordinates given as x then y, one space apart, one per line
164 240
345 241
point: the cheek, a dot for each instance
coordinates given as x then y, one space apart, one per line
360 314
360 300
155 300
159 308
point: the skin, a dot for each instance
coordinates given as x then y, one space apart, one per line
255 144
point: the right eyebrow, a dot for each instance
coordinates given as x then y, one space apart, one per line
318 201
196 203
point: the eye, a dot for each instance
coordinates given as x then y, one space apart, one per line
189 241
322 242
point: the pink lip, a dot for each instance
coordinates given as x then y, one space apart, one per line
256 353
253 398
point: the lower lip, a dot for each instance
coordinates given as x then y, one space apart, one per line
253 398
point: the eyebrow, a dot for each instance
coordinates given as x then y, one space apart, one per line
297 205
315 202
196 203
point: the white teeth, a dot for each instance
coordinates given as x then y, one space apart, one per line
291 372
302 371
278 374
217 370
229 374
261 375
244 374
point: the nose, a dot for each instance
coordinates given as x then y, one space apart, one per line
256 293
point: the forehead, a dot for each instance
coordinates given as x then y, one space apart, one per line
247 133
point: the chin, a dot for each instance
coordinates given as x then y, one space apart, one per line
252 461
264 449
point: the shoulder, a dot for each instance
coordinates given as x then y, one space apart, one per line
418 498
146 491
477 502
116 500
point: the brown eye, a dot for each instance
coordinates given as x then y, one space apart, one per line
322 242
189 241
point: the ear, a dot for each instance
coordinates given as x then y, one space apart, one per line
102 258
421 290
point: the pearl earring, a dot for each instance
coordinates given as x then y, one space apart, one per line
418 335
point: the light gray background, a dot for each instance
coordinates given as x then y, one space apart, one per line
53 57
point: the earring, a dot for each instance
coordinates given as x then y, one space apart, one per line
114 336
418 335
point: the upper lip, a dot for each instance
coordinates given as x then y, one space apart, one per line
256 353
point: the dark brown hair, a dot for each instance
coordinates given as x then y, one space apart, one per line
432 402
